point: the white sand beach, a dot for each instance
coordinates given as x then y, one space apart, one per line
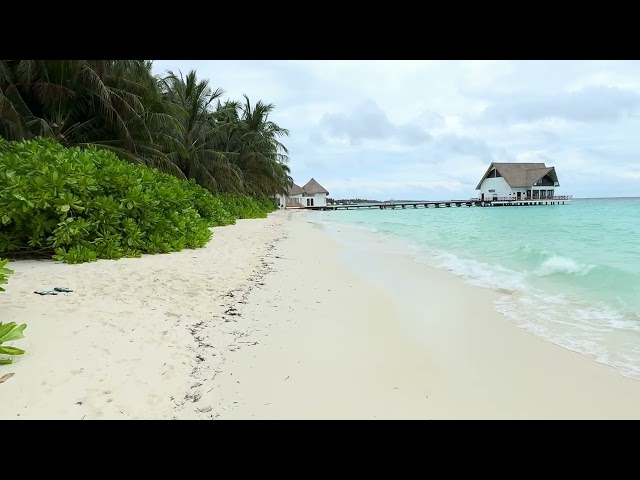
268 322
127 343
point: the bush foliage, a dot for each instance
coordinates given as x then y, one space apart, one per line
4 273
8 331
81 205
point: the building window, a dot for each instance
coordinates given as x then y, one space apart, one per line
545 181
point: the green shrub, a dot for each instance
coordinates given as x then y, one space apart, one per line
209 206
242 206
8 331
81 205
4 273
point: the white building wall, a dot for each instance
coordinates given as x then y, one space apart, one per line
296 198
319 199
502 192
502 189
499 186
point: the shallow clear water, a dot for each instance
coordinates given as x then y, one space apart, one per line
572 272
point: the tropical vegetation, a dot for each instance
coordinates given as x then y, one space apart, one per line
8 331
104 159
172 122
81 205
4 273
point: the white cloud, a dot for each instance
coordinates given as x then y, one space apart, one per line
429 128
369 122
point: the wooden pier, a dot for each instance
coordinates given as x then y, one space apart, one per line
473 202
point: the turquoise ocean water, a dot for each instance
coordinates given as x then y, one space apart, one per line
568 273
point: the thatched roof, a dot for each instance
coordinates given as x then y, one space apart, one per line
520 174
313 187
295 190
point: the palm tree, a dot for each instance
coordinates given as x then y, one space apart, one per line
195 149
111 104
165 122
260 155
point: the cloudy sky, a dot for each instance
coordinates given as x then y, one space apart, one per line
402 129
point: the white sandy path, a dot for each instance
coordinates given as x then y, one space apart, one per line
122 344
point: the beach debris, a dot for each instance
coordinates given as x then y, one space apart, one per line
6 377
78 403
46 292
205 409
197 384
63 289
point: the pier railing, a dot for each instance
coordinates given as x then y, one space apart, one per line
524 199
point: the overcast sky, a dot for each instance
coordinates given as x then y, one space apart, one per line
399 129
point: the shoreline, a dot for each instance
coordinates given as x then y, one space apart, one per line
424 344
277 319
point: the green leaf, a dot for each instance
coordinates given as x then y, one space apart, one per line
65 208
15 334
6 361
5 329
11 351
5 219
